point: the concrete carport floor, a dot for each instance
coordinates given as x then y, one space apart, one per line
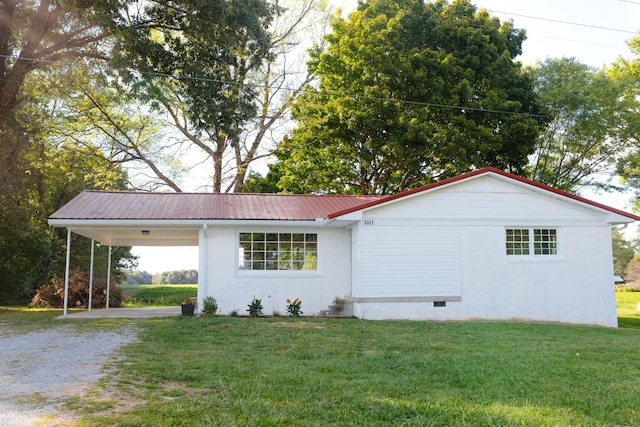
132 313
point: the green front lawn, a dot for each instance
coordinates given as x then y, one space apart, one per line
347 372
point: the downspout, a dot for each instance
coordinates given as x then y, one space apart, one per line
66 273
91 273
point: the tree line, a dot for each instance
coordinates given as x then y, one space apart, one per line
168 96
174 277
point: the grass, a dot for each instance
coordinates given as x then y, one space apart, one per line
346 372
627 306
156 295
323 372
19 319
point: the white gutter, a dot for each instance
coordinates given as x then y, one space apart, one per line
176 223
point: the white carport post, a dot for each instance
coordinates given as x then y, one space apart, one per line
202 266
108 277
66 273
93 244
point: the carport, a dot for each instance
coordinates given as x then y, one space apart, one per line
130 220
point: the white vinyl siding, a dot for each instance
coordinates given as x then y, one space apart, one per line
405 261
486 198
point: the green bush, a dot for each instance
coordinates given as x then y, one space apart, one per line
209 306
255 307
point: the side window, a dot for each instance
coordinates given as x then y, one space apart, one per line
517 241
545 241
528 242
277 251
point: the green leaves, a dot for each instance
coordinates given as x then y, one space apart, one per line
583 137
411 93
208 48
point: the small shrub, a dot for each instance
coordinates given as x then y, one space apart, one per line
186 299
52 294
255 308
293 308
233 313
209 306
338 304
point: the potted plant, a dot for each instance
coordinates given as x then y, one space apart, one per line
188 307
337 305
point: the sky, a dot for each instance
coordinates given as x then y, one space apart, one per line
592 31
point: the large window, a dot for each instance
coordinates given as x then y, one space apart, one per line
278 251
532 241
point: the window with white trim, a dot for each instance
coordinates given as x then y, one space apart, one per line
532 241
277 251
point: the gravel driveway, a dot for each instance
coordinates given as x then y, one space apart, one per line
38 369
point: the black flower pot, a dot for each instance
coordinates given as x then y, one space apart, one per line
188 309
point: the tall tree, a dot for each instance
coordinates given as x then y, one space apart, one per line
194 61
57 169
34 34
623 252
410 93
257 113
584 138
628 73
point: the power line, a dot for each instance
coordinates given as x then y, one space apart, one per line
288 89
577 41
567 22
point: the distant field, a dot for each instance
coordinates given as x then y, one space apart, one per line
156 295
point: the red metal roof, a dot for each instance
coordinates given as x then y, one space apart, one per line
109 205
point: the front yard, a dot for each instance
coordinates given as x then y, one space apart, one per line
283 371
323 372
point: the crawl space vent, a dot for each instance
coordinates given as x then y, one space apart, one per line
439 303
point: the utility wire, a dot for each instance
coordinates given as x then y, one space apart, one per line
566 22
288 89
577 41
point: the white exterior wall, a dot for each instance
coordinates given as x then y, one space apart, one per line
458 240
234 289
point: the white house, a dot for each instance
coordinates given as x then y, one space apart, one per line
483 245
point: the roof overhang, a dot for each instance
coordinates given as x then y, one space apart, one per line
163 232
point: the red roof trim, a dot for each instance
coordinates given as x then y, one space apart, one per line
484 171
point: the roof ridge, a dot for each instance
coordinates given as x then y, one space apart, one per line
197 193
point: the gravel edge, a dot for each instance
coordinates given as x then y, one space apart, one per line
39 369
